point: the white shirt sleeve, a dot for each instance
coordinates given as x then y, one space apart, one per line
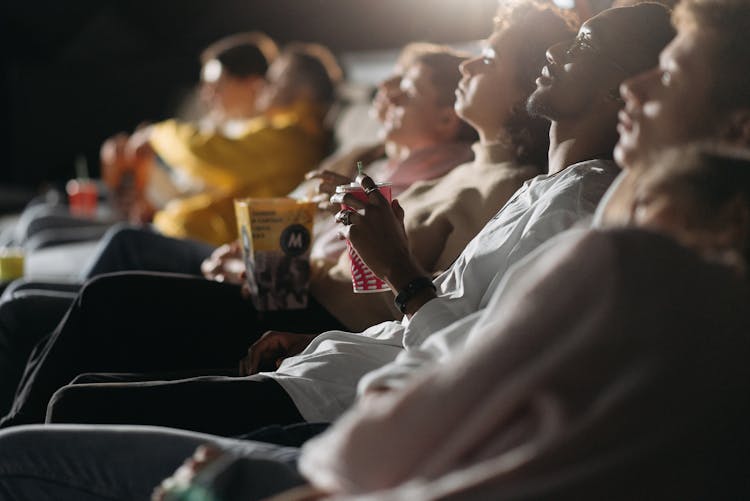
440 343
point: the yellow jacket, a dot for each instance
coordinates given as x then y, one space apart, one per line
268 159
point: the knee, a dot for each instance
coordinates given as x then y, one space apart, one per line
119 232
101 290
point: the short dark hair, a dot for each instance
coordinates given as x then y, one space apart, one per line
317 67
650 29
544 26
242 54
729 20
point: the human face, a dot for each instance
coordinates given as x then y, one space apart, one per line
386 88
414 112
228 96
671 104
577 74
489 88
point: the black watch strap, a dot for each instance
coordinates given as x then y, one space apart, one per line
412 288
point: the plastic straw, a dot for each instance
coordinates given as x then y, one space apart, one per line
82 168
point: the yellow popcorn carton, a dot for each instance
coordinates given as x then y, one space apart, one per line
276 234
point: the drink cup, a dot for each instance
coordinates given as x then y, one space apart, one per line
363 279
11 263
83 197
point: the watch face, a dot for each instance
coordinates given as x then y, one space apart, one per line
411 290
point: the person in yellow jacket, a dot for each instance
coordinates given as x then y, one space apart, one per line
233 72
265 156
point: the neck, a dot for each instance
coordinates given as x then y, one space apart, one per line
571 142
392 150
401 152
492 136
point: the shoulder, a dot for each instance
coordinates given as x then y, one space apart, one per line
582 184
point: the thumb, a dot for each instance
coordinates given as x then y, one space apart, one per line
398 210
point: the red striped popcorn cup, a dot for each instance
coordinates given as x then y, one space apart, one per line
363 279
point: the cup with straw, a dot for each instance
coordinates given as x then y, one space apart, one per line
363 279
83 194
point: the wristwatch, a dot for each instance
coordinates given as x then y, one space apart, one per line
412 289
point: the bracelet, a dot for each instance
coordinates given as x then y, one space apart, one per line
411 290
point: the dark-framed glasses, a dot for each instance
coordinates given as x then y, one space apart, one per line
582 47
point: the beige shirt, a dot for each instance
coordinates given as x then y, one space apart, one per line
441 216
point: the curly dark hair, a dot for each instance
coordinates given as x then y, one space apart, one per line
543 26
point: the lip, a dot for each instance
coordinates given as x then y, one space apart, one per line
625 120
543 81
550 71
628 128
546 77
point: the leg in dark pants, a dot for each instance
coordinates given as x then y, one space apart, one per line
210 404
135 322
128 248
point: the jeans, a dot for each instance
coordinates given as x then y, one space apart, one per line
87 463
147 323
128 248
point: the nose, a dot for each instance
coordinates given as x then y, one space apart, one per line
390 84
556 53
637 90
467 67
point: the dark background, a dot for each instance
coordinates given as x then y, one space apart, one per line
76 71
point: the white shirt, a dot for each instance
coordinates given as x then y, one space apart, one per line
322 380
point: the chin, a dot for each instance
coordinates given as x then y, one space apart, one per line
626 157
538 105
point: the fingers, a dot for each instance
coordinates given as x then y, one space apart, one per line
371 190
328 177
348 217
398 210
348 200
206 453
344 233
255 356
264 350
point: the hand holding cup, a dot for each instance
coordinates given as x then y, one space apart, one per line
375 228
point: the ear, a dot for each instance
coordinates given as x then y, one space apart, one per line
737 128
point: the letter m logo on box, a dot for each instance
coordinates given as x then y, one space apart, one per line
295 240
